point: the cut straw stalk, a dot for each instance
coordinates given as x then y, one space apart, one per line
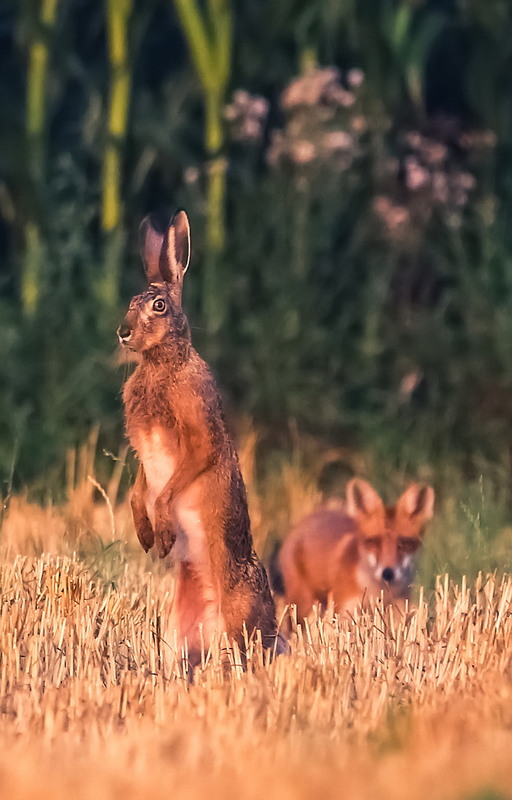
95 666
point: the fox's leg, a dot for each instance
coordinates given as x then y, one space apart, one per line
297 590
347 596
140 516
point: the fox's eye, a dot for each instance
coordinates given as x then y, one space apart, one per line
408 545
159 305
372 542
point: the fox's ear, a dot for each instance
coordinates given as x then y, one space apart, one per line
417 502
151 239
175 253
362 499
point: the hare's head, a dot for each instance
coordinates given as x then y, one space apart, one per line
155 317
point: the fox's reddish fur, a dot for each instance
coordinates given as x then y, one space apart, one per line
189 495
347 555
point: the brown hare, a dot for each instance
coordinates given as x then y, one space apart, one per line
348 555
188 496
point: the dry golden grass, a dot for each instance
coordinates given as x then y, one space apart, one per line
94 702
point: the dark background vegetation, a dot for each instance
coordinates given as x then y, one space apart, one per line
352 269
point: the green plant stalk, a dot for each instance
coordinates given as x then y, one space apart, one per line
213 289
209 36
195 30
216 192
31 277
308 59
118 18
214 302
35 127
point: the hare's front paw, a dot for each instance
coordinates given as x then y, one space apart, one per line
146 537
164 540
144 530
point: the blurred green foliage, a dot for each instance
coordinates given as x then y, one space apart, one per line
361 283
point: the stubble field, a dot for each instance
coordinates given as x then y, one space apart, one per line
95 702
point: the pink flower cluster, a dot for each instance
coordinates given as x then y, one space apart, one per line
322 123
429 174
320 87
429 167
246 115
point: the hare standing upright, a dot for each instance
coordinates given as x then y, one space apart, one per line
189 495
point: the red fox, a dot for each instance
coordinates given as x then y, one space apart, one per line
346 555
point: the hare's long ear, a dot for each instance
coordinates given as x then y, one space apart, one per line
175 253
151 238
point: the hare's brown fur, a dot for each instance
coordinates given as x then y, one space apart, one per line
189 496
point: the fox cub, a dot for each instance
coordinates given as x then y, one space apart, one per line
346 555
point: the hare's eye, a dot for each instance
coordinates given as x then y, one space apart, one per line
159 305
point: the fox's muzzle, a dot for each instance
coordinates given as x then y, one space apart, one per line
388 575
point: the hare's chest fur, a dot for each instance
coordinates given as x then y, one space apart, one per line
155 450
155 454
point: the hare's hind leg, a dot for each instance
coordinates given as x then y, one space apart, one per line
141 521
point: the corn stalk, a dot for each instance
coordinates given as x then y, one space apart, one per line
119 14
209 35
42 32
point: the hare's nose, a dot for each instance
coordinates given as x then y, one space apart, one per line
124 332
